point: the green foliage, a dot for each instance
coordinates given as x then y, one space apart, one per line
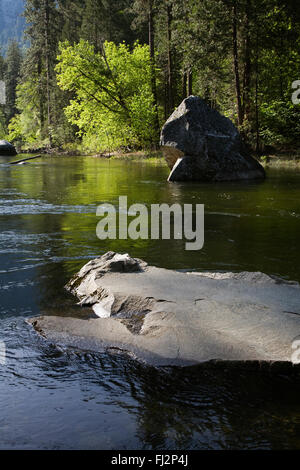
280 122
26 125
11 76
103 20
113 102
106 87
3 129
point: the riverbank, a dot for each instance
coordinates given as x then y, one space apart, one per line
281 161
276 160
149 155
284 160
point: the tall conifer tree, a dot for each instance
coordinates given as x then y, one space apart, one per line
11 77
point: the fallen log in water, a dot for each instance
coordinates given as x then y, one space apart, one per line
25 160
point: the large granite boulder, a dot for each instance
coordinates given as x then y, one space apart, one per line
199 144
167 317
6 148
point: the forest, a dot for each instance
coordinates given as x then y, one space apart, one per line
101 75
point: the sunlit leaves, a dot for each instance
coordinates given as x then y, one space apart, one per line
113 103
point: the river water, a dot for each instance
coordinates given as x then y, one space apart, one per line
51 398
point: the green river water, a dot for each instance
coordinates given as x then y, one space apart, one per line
58 398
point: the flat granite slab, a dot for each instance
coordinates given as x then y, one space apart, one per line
172 318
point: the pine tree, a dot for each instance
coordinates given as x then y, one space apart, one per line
103 20
145 12
2 66
11 76
43 33
169 60
2 106
71 15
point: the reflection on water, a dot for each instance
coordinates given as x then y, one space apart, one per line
51 398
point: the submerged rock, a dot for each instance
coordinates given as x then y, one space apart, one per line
199 144
6 148
167 317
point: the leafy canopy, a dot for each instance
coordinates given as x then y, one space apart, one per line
112 101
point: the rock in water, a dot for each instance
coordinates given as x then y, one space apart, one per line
6 148
199 144
167 317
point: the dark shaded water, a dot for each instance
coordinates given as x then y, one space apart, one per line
50 398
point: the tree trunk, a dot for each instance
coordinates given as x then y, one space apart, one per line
189 82
41 99
184 85
170 61
47 64
236 65
247 66
256 95
152 62
166 108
